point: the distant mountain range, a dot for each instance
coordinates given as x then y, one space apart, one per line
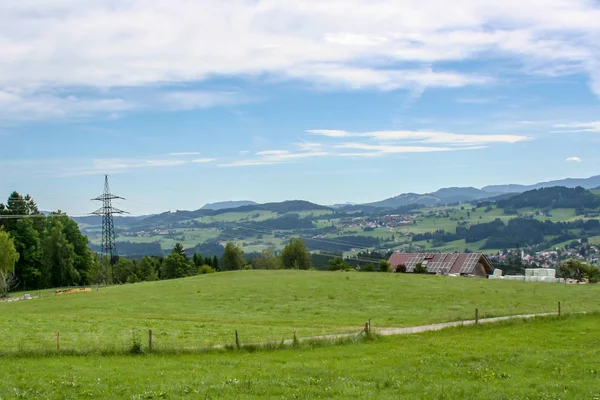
221 205
442 196
586 183
402 202
495 192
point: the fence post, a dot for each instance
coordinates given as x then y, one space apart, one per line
559 308
237 339
150 339
369 325
58 340
477 315
295 337
367 328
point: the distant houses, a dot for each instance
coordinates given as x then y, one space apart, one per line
475 264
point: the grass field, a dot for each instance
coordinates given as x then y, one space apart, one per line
545 358
266 306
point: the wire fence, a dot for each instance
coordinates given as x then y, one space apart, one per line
92 336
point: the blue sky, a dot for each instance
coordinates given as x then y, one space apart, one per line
188 102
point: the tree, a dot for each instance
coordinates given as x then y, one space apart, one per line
197 260
149 267
233 257
83 255
215 263
267 260
18 205
384 266
337 264
8 258
28 245
175 266
576 269
125 271
295 255
59 258
178 248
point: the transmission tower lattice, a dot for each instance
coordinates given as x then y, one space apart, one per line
108 248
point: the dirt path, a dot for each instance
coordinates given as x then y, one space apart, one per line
419 329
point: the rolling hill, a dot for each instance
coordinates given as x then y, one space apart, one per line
222 205
586 183
441 196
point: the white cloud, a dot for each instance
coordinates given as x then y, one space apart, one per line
388 149
189 100
574 159
19 105
270 157
102 166
356 44
185 153
203 160
431 137
578 127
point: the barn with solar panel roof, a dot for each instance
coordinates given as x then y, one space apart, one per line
475 264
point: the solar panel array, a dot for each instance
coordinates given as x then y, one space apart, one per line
448 263
435 266
410 264
469 265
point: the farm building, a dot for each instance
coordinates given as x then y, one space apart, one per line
444 263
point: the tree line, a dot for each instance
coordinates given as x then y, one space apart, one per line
40 251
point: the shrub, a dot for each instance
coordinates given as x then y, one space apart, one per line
368 268
401 268
384 266
205 269
420 269
136 344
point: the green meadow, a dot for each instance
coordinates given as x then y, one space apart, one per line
265 306
543 358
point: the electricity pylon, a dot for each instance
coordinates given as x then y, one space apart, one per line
108 249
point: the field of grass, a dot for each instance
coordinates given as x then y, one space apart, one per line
545 358
266 306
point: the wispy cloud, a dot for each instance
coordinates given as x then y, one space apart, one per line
578 127
25 105
185 153
574 159
431 137
270 157
189 100
389 149
102 166
203 160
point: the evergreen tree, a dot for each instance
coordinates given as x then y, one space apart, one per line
59 258
28 244
233 257
295 255
175 266
178 248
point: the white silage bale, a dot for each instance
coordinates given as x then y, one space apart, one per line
520 278
534 279
540 272
551 273
497 272
528 271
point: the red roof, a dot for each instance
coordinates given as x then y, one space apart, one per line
453 263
